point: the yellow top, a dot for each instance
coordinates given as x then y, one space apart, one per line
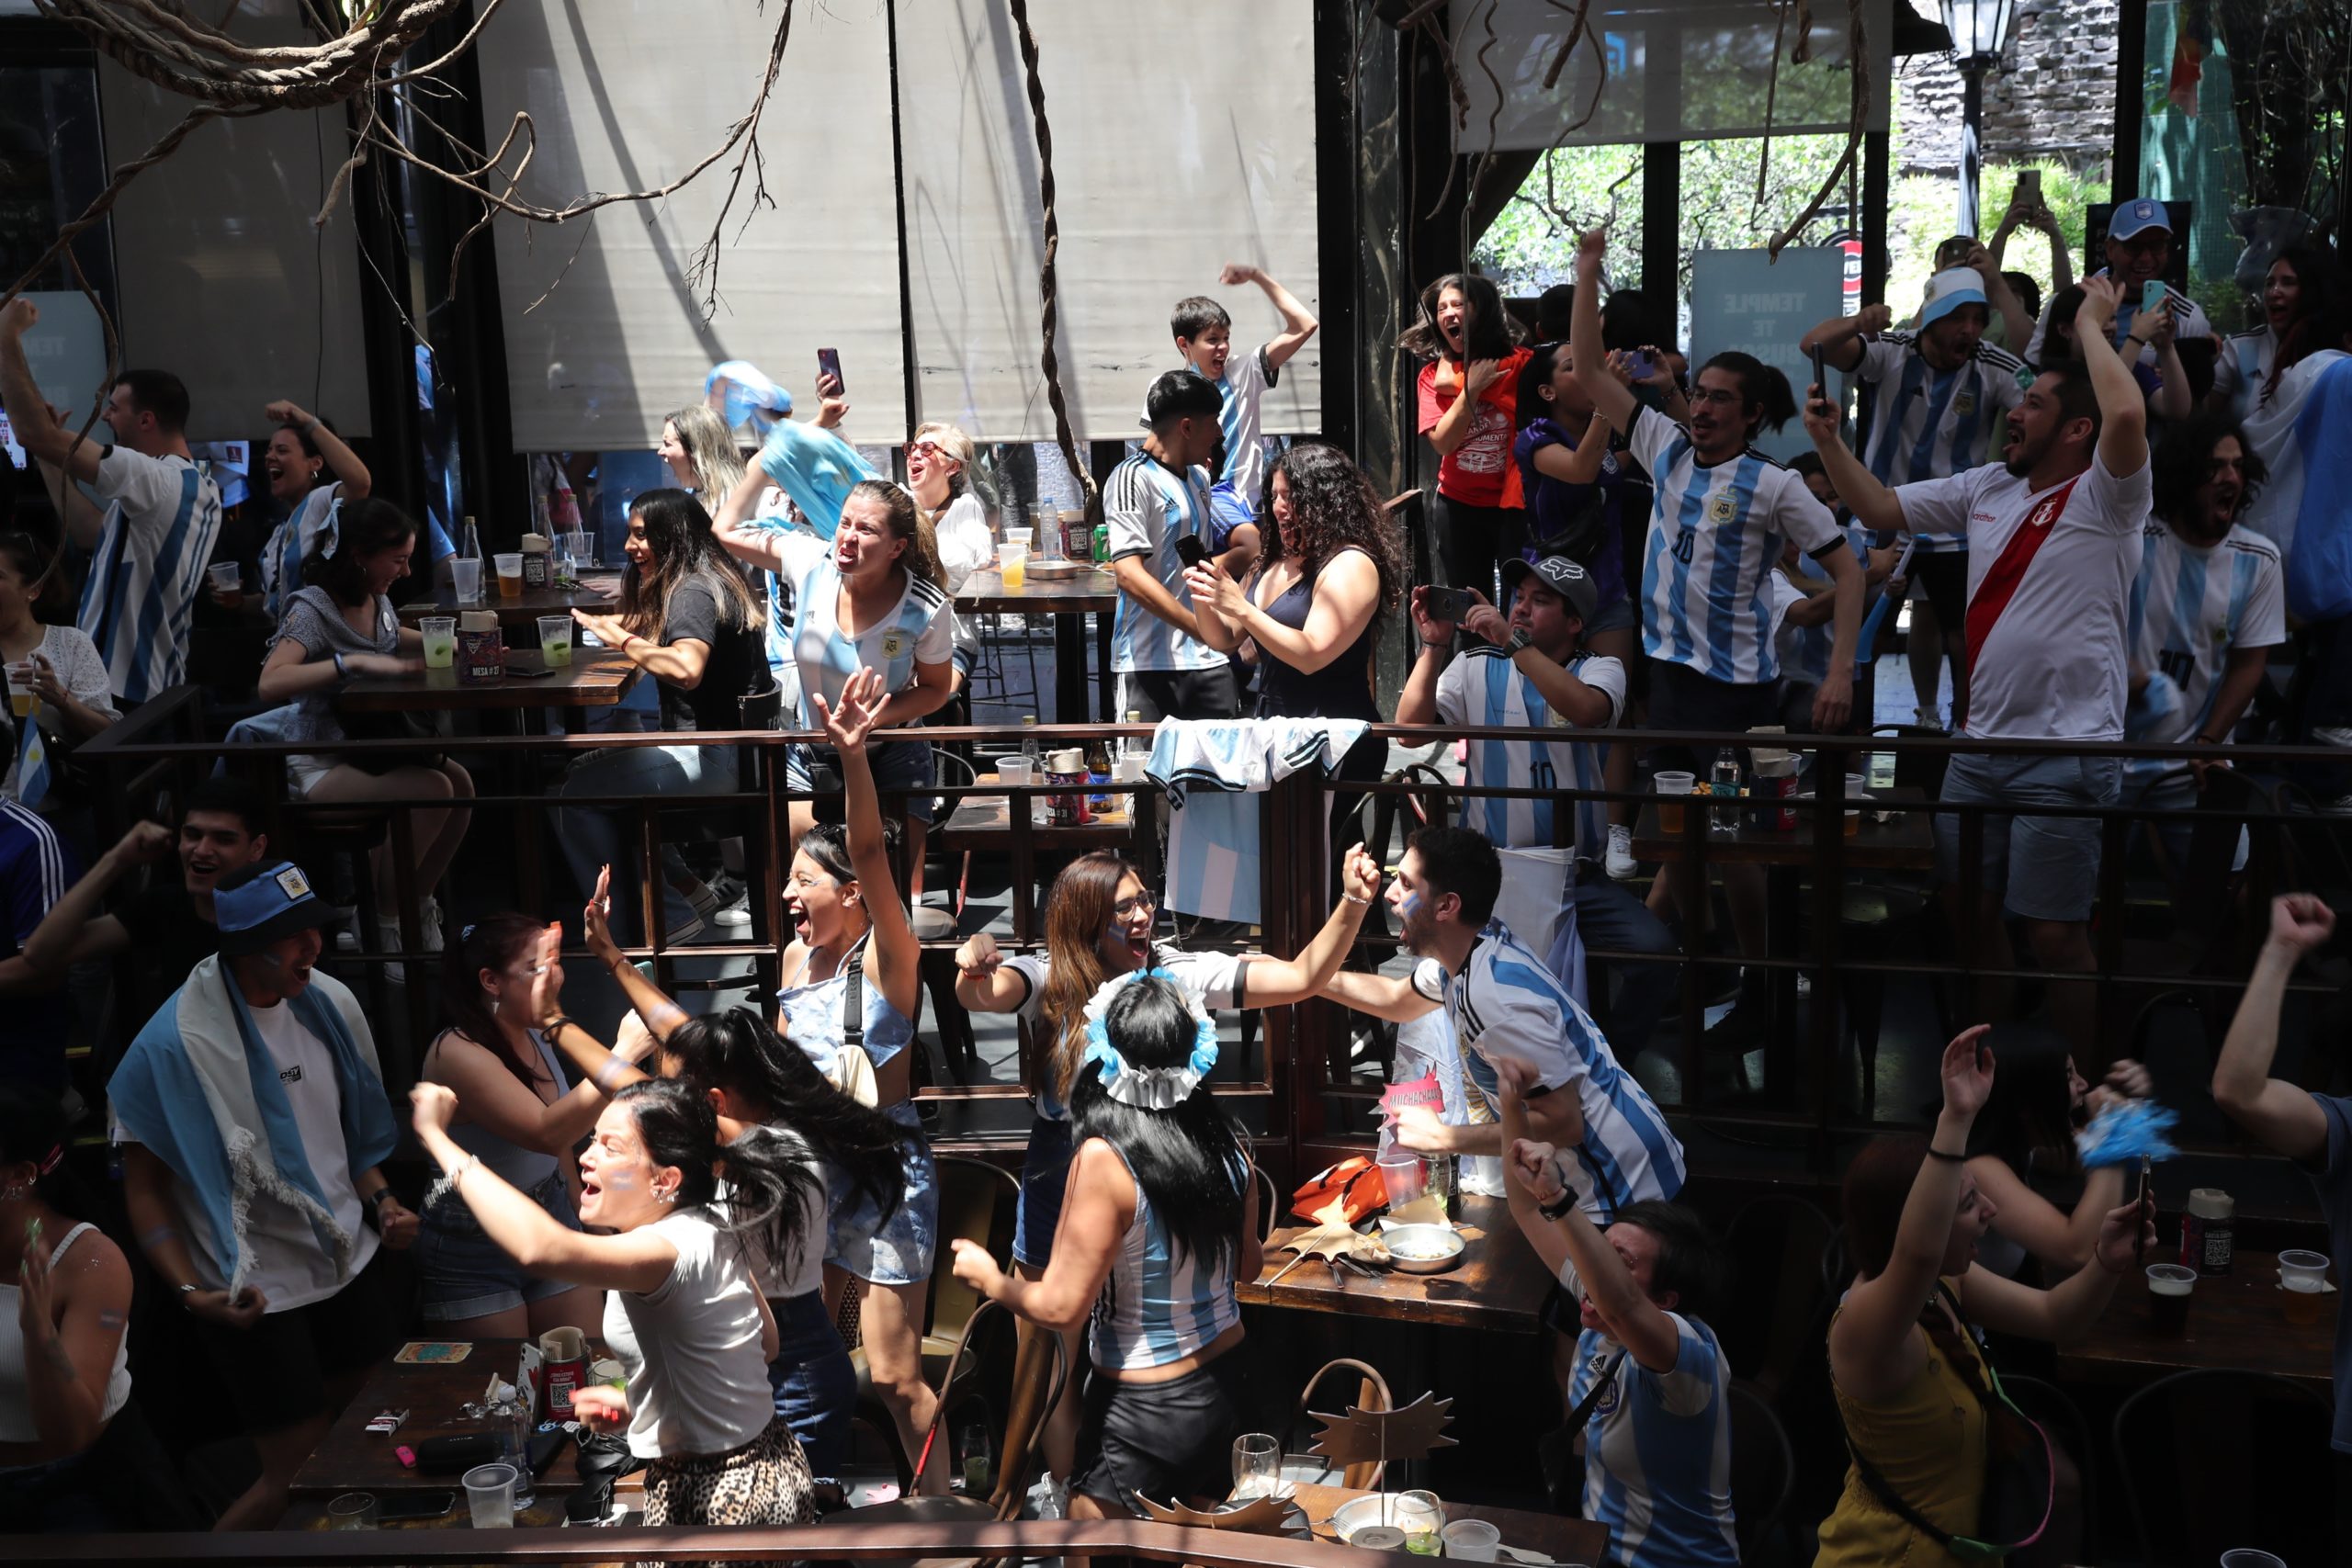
1928 1442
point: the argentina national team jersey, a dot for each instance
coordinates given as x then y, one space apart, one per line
1241 419
162 516
1657 1449
1925 423
1147 507
1485 687
2190 606
1506 1004
2242 369
918 630
1706 596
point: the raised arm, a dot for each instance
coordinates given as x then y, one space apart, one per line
2283 1115
652 1004
1872 504
608 1071
1434 639
1842 338
340 459
2000 297
1298 323
2170 400
1579 464
1610 398
1278 982
2068 1310
892 956
984 982
73 930
638 1260
1382 996
733 528
498 1101
29 420
2123 412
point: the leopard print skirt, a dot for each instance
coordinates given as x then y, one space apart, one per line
766 1481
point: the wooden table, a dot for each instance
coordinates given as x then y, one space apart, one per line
1500 1286
2235 1320
351 1458
1069 600
597 677
597 592
984 822
1557 1536
1905 843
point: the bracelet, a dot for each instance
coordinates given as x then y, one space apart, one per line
553 1026
1364 903
375 1199
1935 1153
341 672
1441 646
448 1184
627 638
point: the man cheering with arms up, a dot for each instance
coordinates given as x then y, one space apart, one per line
2054 539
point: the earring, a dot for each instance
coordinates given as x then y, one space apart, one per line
669 1197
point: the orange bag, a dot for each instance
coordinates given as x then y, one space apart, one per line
1354 1183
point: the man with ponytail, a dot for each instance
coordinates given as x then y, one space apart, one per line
1156 1228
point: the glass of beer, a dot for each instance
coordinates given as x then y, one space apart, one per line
2169 1285
440 640
21 701
2303 1276
510 574
1012 564
1669 810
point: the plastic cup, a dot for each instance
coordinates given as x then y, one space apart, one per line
1021 536
490 1496
1014 770
21 700
1127 770
2248 1557
2303 1276
578 543
1405 1177
555 640
1012 564
2169 1288
510 574
2298 1264
1856 789
1669 815
440 640
225 579
1472 1540
464 577
352 1511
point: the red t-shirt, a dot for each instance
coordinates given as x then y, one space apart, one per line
1479 472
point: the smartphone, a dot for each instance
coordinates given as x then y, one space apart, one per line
1191 550
1449 604
414 1505
2152 294
828 363
1642 366
1820 372
2028 187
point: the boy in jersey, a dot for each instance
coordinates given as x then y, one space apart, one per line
1533 670
1152 499
1657 1431
2054 542
1718 513
1204 338
2209 604
1506 1005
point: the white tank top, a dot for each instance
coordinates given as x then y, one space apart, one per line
15 1401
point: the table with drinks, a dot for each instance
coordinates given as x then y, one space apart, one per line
1061 580
1418 1522
2257 1311
1499 1284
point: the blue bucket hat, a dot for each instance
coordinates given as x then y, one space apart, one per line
1948 291
265 903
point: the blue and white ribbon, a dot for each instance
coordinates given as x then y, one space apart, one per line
1148 1089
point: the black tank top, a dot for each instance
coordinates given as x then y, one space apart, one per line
1342 689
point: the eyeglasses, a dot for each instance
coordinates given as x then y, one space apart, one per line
1127 907
1722 397
934 448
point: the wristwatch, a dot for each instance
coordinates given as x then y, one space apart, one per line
1558 1208
1518 640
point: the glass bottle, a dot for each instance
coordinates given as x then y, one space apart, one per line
1724 785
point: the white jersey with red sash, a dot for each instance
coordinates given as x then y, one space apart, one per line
2050 576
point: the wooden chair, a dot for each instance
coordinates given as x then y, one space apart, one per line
1372 1394
2256 1439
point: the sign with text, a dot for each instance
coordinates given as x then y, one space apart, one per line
1743 300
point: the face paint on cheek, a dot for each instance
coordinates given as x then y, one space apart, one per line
1410 906
618 1181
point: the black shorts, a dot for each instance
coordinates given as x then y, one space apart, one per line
1942 575
277 1369
1181 694
1172 1441
1682 699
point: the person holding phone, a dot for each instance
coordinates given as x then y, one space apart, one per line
1159 511
2139 252
1467 398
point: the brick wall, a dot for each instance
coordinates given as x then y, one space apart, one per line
2051 97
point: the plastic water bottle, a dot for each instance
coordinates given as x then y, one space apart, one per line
1029 743
1724 785
470 547
1129 746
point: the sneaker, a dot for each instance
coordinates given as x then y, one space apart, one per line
735 916
698 893
388 939
2332 737
428 921
1619 860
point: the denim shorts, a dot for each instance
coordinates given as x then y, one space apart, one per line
814 1383
1044 1177
463 1273
903 765
2044 868
896 1251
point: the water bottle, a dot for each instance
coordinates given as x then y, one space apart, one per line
1029 743
1724 785
470 547
1129 746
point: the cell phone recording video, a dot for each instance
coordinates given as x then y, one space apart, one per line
2152 294
828 363
1449 604
1191 550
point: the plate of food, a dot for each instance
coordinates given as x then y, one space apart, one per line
1424 1249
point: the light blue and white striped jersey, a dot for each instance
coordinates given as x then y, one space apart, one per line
162 516
919 629
1240 416
1214 770
2190 605
2242 369
1925 423
799 551
2187 313
1657 1449
1158 1307
281 557
1485 687
1804 651
1507 1004
1148 506
1714 534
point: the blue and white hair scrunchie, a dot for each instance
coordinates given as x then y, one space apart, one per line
1148 1089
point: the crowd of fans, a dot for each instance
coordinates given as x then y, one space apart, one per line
2081 521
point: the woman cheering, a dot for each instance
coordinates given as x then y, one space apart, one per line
45 654
1161 1196
1911 1380
685 1315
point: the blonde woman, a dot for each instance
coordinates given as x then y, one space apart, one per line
701 453
940 461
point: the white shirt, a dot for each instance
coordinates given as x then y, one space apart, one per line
162 516
1926 423
82 672
1147 507
288 1265
698 1382
1485 687
2050 576
965 546
2242 369
2190 605
1714 534
2184 311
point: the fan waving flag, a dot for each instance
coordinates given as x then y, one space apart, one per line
32 777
